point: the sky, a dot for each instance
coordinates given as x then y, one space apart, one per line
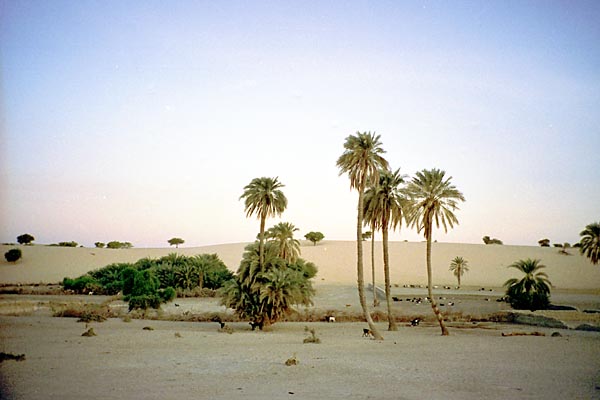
141 121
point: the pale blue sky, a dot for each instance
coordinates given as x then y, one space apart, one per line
143 120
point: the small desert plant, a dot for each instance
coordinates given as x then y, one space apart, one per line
292 361
13 255
312 338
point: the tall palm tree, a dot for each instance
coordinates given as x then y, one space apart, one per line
362 159
263 197
532 291
432 198
283 235
459 266
383 206
590 242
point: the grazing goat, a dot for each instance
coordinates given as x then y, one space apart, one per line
415 322
367 332
330 318
255 325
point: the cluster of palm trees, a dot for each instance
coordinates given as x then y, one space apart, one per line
272 277
427 201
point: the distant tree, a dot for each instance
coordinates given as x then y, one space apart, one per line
99 245
13 255
176 242
459 266
25 238
532 292
68 244
118 245
366 235
589 245
314 237
488 240
544 242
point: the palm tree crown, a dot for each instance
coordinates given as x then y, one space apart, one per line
383 202
283 235
533 290
590 242
263 197
432 199
362 159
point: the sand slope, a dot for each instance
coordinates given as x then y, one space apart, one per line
336 261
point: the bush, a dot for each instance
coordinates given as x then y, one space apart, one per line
68 244
82 285
13 255
99 245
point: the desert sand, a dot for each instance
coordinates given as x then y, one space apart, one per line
336 261
181 360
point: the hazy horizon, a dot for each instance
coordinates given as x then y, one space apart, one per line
142 121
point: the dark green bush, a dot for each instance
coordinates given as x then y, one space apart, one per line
83 284
68 244
25 238
13 255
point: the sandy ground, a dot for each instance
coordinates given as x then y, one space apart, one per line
126 362
196 360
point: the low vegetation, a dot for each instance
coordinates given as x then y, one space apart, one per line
13 255
149 282
532 292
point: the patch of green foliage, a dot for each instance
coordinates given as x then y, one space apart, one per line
13 255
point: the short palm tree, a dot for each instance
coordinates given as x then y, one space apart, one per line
459 266
362 159
531 292
263 197
383 206
590 242
432 198
283 235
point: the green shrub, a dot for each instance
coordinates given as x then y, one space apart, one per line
99 245
13 255
83 284
67 244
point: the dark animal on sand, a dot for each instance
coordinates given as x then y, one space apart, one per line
367 332
255 325
415 322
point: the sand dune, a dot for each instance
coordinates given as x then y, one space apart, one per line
336 261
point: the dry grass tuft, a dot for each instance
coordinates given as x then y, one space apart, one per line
89 333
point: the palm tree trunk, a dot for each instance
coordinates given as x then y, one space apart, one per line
360 269
459 279
375 299
434 306
386 270
261 244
